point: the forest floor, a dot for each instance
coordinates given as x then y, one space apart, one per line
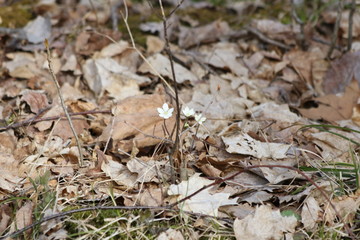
189 120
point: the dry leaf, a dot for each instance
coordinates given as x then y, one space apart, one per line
212 32
22 65
154 44
264 224
170 234
204 202
36 100
137 116
38 30
310 213
273 111
225 55
105 74
278 31
5 217
341 72
10 177
161 65
334 107
114 49
23 217
244 144
148 171
119 173
63 130
346 206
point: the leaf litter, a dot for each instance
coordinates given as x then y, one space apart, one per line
249 98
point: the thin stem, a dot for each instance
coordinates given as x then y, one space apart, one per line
351 18
81 158
35 119
336 28
175 147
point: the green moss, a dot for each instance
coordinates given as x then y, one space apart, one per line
280 10
207 15
134 21
16 15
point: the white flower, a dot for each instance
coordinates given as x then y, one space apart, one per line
188 111
199 118
165 112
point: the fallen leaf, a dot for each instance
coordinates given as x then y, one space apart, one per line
23 217
5 217
244 144
276 30
265 223
310 213
114 49
204 202
341 72
273 111
256 197
22 65
154 44
333 107
136 116
10 177
346 206
224 55
119 173
36 100
161 65
170 234
38 30
148 171
63 130
105 74
212 32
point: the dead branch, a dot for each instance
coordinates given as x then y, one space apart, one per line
264 38
35 119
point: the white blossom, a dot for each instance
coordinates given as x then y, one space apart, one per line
188 112
199 118
165 112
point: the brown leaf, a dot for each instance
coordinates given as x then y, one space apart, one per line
23 216
161 65
303 63
333 107
63 130
10 177
136 116
276 30
36 100
154 44
205 34
341 72
5 216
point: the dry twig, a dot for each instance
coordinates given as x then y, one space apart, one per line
336 28
175 147
81 158
351 18
36 119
